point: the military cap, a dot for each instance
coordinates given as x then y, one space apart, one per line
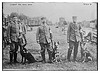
74 17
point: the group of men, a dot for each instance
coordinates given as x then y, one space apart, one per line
16 30
44 38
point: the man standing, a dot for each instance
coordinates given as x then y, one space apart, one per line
22 31
13 34
44 39
72 39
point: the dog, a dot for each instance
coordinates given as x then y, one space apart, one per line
85 53
55 53
55 47
87 56
57 58
26 55
23 51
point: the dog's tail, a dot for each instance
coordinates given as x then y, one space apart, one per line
36 60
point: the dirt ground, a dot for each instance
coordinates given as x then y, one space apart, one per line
34 48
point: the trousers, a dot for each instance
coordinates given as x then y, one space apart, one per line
43 48
72 46
13 51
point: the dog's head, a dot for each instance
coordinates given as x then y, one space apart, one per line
24 50
86 50
56 45
84 45
58 57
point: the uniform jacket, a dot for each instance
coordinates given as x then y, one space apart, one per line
73 32
43 34
22 28
22 31
13 31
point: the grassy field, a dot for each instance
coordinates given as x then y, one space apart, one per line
34 48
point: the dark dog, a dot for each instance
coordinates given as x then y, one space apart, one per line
26 55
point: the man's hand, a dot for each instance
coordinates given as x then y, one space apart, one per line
67 40
68 45
9 41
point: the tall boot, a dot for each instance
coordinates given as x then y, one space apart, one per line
50 57
53 55
69 54
15 58
43 56
75 51
11 57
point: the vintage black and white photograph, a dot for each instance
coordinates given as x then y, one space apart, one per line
50 36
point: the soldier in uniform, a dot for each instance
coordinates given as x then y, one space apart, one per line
13 34
22 31
73 38
44 39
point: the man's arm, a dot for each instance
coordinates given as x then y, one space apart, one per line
68 33
24 28
24 34
77 32
9 33
37 35
50 34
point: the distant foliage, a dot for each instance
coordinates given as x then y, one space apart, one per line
13 14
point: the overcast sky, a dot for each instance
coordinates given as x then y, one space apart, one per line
84 11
